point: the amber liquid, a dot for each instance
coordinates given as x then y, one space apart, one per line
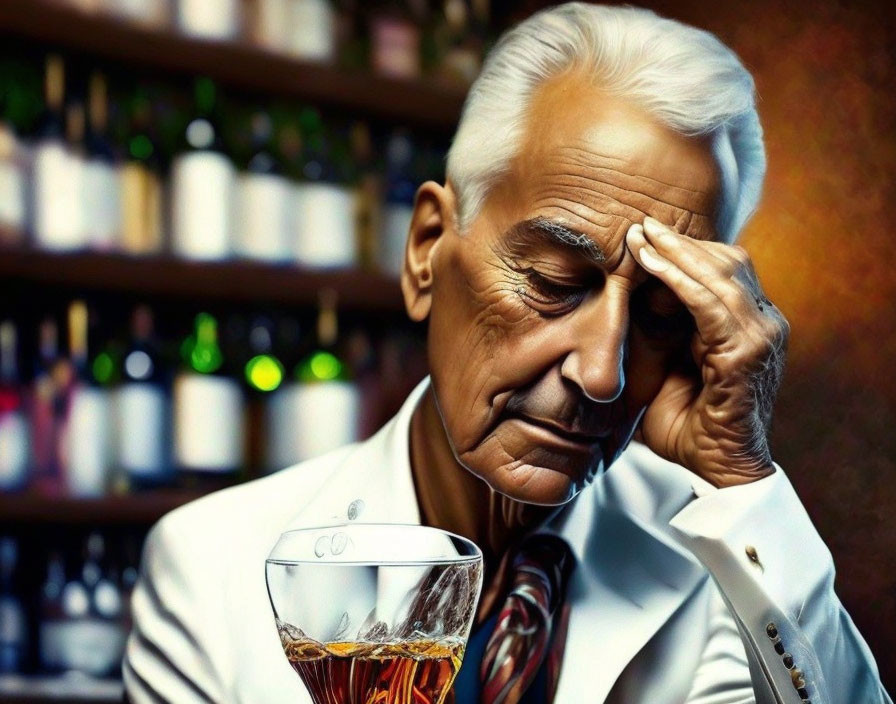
414 672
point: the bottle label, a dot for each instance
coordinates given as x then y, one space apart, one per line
141 410
324 220
213 20
86 442
305 420
208 423
396 224
262 217
102 204
202 192
12 195
13 450
58 190
141 210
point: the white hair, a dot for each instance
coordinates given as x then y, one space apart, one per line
683 76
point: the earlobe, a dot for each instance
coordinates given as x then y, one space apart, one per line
433 215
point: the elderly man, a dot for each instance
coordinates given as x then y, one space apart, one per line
603 368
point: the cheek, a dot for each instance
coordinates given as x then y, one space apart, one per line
646 371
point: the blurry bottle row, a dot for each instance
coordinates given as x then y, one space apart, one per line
151 170
201 411
400 38
81 616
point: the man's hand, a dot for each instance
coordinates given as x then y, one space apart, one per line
715 421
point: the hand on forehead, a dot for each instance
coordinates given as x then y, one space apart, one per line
597 164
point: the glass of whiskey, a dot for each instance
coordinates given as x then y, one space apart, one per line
374 613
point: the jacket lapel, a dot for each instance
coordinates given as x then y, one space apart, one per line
631 577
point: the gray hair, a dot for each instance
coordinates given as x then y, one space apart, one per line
683 76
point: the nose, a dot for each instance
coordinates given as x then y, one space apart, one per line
597 350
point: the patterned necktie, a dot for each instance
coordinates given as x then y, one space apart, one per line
534 609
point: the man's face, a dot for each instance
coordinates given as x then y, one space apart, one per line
546 339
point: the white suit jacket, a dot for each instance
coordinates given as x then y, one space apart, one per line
673 600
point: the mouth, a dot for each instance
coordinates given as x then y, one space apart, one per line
558 433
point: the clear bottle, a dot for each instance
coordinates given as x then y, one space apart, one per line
142 202
85 437
102 178
13 620
14 431
142 408
202 185
313 30
58 168
262 200
320 408
208 417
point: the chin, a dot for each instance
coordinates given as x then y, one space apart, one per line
543 484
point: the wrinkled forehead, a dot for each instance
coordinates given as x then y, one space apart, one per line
600 163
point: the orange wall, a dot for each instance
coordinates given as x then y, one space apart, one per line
822 242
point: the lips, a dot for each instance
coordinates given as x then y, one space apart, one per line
578 437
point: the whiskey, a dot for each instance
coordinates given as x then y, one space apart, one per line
410 672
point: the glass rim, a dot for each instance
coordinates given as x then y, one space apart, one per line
475 556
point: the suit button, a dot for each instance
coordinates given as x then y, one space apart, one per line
772 630
788 660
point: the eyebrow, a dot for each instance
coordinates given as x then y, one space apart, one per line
542 229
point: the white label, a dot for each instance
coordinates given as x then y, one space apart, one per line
208 423
212 19
201 201
394 236
102 204
262 217
12 194
324 217
86 441
273 24
58 209
313 30
142 413
304 420
13 449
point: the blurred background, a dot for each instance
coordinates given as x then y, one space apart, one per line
203 205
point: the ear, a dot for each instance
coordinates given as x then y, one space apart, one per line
433 217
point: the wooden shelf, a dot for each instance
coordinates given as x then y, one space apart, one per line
233 281
41 689
130 509
424 102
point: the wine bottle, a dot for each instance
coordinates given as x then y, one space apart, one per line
51 376
142 405
202 185
102 182
12 180
325 202
85 438
13 621
262 200
319 409
399 202
14 435
208 411
395 39
141 184
58 168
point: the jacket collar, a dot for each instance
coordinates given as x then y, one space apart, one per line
631 576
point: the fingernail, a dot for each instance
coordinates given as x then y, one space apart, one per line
635 230
655 228
651 260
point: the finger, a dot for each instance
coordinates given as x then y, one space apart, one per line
709 312
729 275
